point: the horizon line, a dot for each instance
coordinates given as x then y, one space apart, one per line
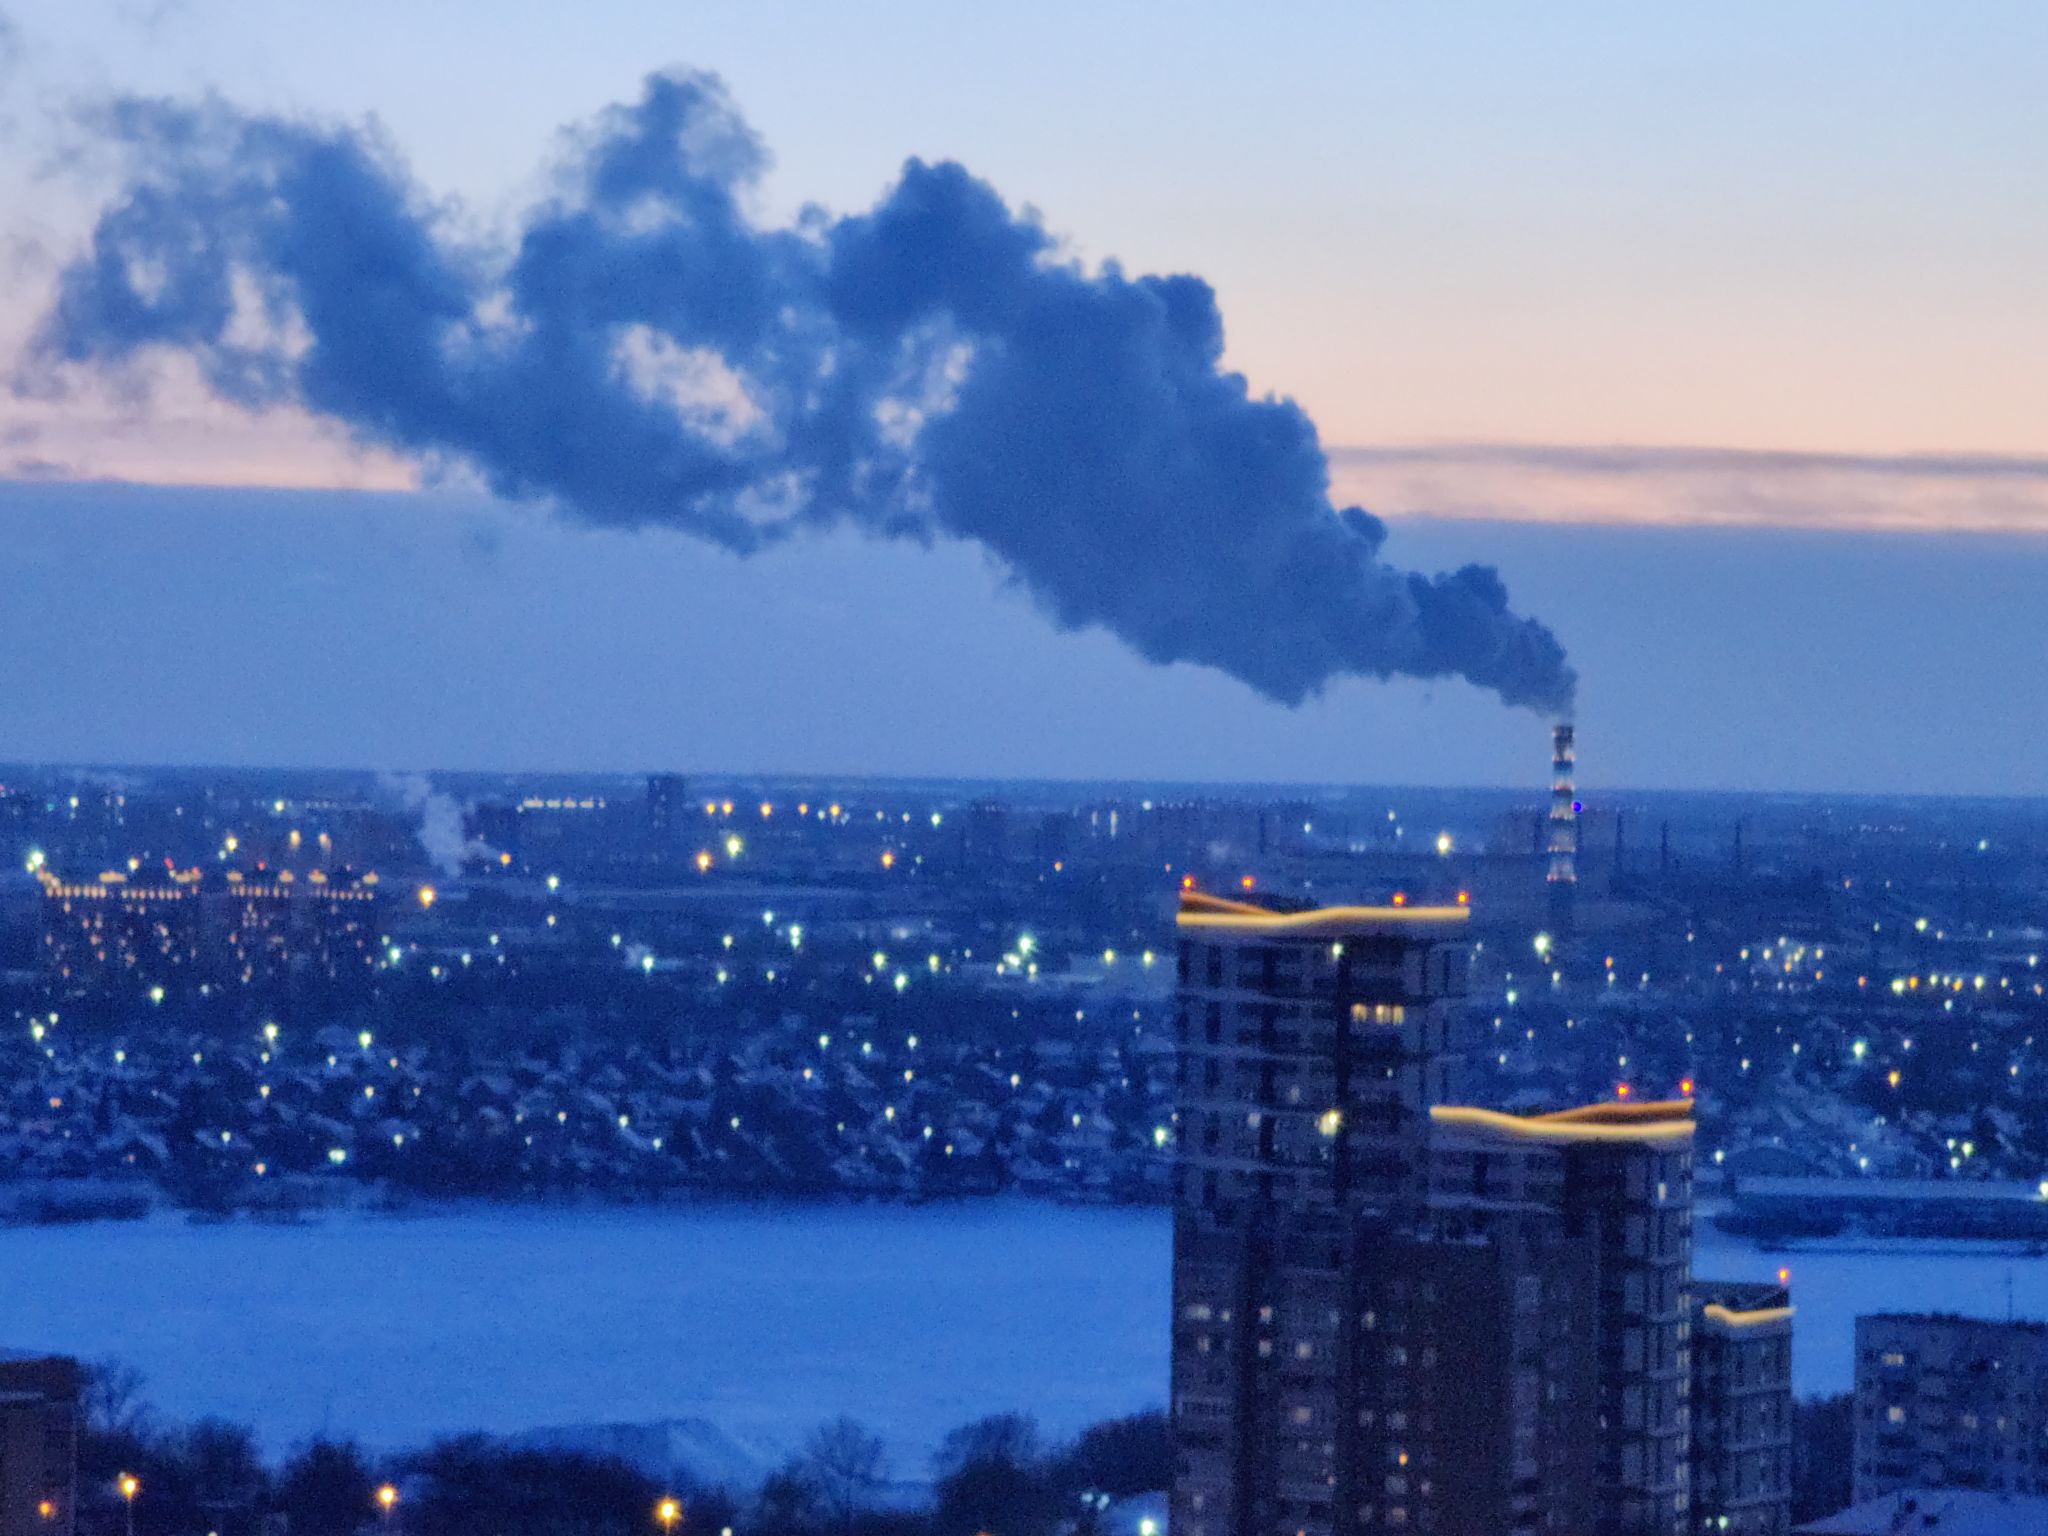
1538 786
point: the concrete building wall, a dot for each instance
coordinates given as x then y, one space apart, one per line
1950 1402
38 1445
1742 1408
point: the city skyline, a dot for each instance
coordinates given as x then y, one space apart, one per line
1160 770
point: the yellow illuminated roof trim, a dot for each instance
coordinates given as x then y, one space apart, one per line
1202 901
1762 1317
1556 1132
1235 914
1620 1112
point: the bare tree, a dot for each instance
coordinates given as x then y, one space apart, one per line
844 1463
1009 1439
110 1398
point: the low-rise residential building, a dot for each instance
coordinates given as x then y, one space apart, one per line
1950 1402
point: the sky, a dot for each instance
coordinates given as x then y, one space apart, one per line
1718 330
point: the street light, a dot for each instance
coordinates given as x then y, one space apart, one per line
130 1485
668 1512
387 1501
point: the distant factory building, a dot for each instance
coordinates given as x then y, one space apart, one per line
1950 1402
218 927
669 812
556 829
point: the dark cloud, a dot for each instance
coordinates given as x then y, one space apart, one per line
41 469
644 356
1631 460
1923 493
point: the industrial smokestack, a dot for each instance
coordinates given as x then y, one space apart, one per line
1563 873
1564 810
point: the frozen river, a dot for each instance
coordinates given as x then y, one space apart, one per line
761 1320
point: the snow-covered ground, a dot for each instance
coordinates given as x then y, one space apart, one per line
759 1321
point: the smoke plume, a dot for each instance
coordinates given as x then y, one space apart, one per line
437 819
642 354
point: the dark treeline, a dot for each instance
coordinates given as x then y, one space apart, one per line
997 1474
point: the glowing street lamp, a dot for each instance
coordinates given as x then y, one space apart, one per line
387 1501
668 1513
129 1485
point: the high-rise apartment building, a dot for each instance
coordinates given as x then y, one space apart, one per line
1395 1314
1311 1045
1742 1407
1950 1402
1591 1209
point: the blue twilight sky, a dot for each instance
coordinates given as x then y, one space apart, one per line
1792 259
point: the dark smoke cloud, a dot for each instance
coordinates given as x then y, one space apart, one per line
1636 460
644 356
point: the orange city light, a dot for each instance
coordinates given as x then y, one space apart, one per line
129 1484
1621 1090
668 1512
1685 1087
888 859
386 1497
1247 882
47 1510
